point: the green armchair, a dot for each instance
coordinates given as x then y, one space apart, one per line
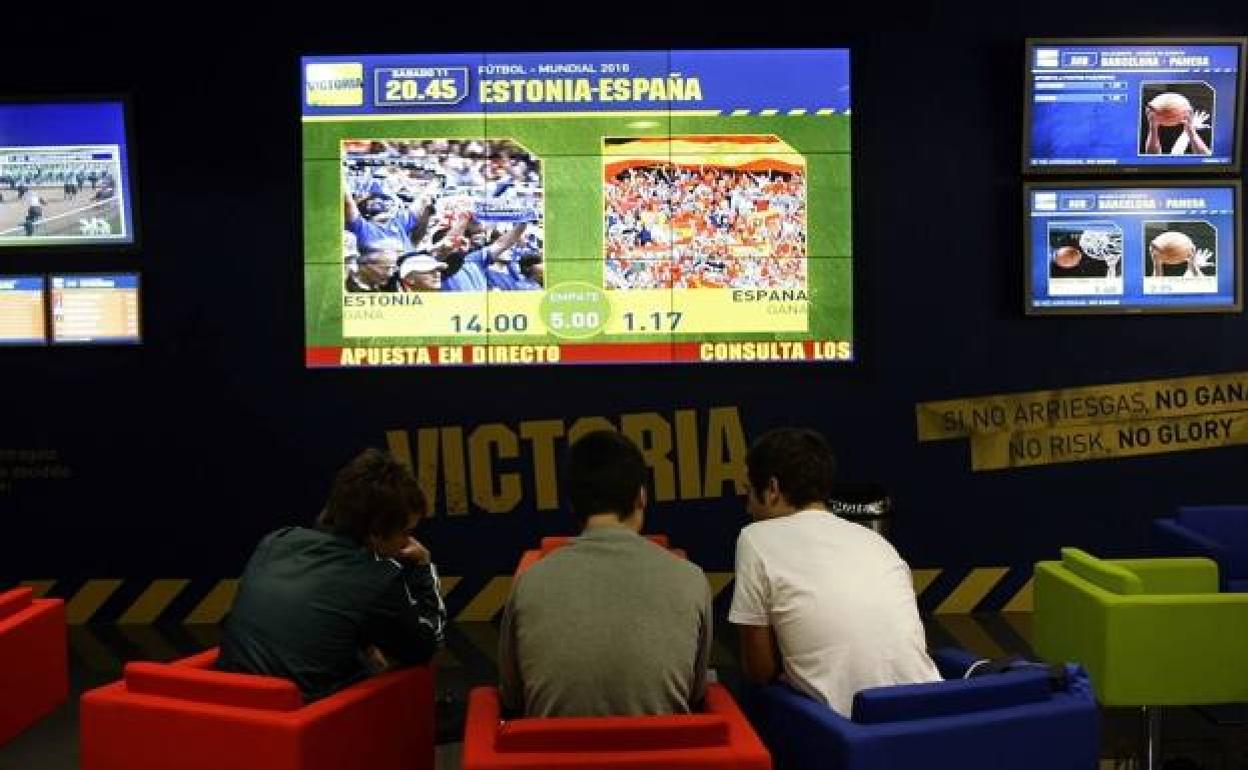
1150 632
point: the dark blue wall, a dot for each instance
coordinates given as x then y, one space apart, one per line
186 449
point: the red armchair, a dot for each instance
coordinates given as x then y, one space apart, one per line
34 668
185 715
531 557
720 737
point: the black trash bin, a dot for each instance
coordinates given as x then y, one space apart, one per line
863 503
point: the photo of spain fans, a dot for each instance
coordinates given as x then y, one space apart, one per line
704 212
449 215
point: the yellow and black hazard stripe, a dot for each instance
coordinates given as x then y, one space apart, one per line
133 602
959 591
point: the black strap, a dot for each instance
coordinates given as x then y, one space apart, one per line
987 666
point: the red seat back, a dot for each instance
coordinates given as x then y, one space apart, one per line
14 601
717 738
551 543
613 733
215 687
184 715
34 675
528 559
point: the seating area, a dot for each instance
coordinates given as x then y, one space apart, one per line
425 386
1217 532
1016 719
719 738
1150 632
34 664
212 720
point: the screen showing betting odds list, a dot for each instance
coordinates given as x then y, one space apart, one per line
64 174
1158 105
95 308
1133 248
21 310
577 208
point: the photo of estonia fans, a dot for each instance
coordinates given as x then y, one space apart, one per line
442 215
62 192
704 212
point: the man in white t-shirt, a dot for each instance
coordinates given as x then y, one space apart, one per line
825 604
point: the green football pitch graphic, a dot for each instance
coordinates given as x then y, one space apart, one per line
569 149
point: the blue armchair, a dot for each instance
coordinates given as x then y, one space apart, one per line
1013 720
1218 532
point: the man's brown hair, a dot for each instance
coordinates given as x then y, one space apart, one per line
372 495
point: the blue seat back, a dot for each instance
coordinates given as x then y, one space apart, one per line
1015 720
1226 524
958 696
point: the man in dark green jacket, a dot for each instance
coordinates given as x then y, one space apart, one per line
316 606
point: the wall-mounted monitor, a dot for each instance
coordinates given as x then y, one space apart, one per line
95 308
589 207
23 319
1112 106
65 177
1133 247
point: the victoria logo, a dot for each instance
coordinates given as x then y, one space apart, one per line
334 84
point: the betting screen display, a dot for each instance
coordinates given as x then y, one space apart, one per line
64 175
22 315
577 208
1133 248
95 308
1113 105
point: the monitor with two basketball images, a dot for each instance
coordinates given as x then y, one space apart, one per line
1125 246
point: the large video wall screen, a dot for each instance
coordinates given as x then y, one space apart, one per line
577 208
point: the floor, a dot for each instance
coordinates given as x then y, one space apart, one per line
1193 740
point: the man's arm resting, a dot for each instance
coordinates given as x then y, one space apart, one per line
408 626
760 662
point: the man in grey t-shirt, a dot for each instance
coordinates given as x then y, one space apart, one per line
611 624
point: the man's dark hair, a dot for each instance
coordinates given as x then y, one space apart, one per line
372 495
799 459
604 473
